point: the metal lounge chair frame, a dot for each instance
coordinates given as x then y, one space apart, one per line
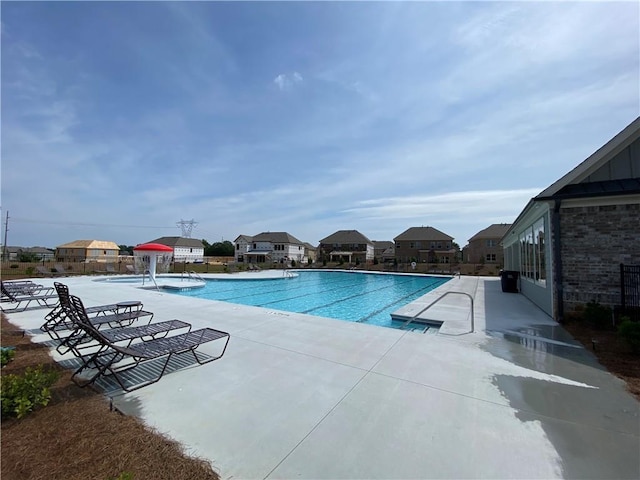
113 360
27 287
112 315
23 297
78 340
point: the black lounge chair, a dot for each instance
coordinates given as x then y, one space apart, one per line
46 272
113 360
23 297
27 287
112 315
78 340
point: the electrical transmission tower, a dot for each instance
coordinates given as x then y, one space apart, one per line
187 227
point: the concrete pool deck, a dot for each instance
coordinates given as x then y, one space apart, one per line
297 396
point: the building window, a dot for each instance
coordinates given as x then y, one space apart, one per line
490 257
412 245
491 242
532 253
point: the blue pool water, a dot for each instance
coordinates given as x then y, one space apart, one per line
351 296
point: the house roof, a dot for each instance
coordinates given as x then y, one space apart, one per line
423 233
389 252
497 230
246 238
597 160
308 246
346 236
582 180
40 250
276 237
98 244
597 189
383 245
178 242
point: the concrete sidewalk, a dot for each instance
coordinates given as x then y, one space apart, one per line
297 396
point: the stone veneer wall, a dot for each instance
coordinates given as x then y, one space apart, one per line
595 241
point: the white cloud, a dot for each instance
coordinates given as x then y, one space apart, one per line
286 81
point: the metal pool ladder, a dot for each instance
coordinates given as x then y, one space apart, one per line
412 319
193 275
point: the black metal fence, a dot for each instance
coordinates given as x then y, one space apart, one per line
630 291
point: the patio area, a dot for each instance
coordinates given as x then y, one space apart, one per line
309 397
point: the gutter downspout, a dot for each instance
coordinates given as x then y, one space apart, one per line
557 260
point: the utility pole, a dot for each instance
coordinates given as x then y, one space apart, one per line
6 228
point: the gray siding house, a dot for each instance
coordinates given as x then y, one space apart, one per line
569 241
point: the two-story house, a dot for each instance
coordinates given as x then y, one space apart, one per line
424 244
88 251
276 247
349 246
485 247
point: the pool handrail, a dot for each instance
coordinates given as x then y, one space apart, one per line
436 301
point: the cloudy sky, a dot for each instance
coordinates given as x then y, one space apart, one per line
120 119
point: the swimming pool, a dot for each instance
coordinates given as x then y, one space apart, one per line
352 296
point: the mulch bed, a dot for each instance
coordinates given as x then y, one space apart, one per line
612 352
77 436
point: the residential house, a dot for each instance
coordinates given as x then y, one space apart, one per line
242 246
485 247
310 252
348 246
187 250
379 247
40 253
88 251
11 253
275 247
424 244
570 240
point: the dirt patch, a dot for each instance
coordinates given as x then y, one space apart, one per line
612 352
77 436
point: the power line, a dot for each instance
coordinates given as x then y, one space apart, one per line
83 224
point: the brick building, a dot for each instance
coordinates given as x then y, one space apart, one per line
569 241
485 247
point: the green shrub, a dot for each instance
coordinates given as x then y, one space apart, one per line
597 315
630 331
6 355
123 476
293 263
23 393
